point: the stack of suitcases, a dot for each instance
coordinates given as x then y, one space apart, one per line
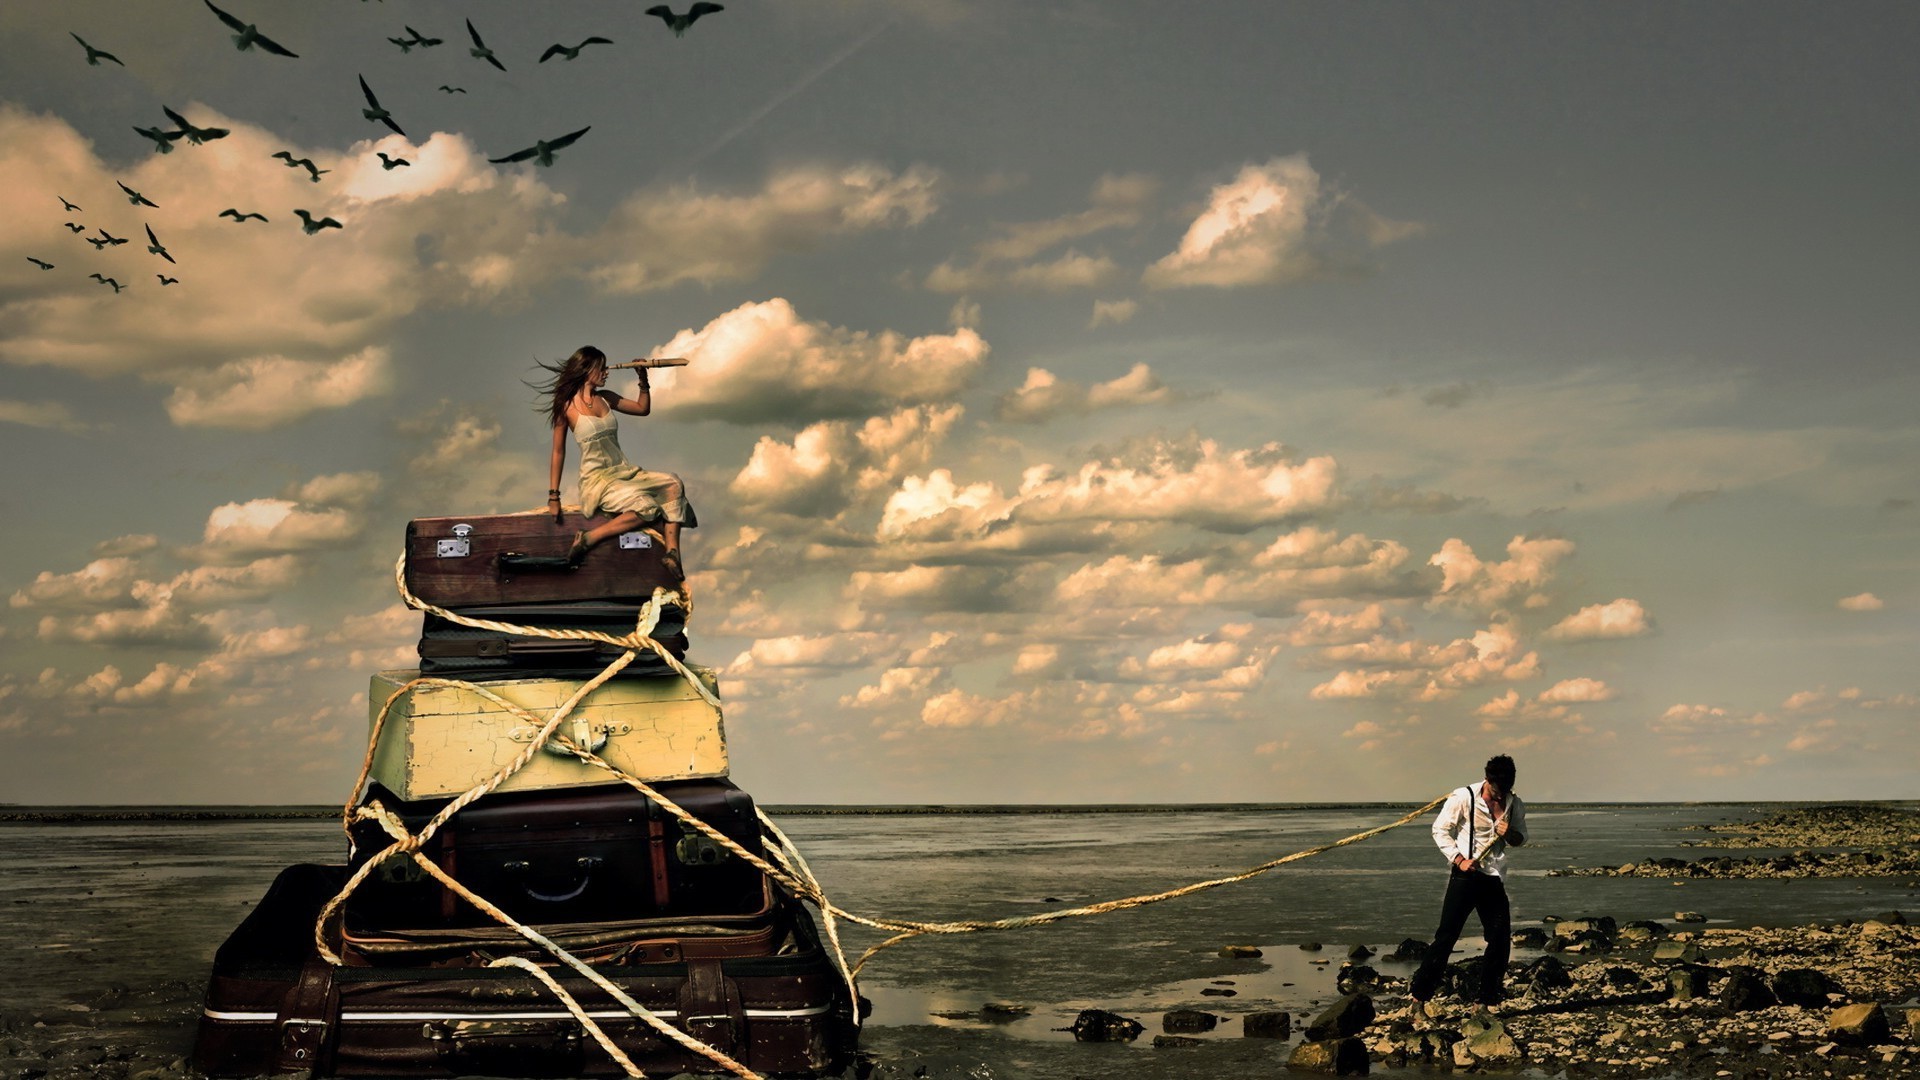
676 920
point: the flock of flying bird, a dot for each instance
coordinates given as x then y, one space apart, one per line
247 36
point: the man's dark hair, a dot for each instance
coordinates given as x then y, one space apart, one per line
1500 770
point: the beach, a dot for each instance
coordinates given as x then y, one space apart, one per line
111 924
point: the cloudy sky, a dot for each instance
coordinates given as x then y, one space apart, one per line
1267 402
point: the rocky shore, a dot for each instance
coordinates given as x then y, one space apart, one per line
1807 842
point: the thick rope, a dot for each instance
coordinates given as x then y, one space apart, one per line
397 829
793 873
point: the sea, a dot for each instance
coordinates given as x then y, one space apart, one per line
109 917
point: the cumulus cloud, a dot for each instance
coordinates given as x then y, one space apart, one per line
1010 258
1695 721
937 589
657 239
803 655
1045 396
1471 584
266 392
1323 624
1865 601
1112 313
1272 223
1413 671
761 363
833 464
349 489
102 583
1194 482
1622 618
247 530
52 415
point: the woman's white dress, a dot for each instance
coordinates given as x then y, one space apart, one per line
610 483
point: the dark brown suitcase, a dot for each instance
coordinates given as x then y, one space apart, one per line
571 855
457 562
457 650
274 1007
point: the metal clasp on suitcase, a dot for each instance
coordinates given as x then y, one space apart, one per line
456 548
300 1041
588 736
631 540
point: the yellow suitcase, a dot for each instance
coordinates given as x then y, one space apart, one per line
441 740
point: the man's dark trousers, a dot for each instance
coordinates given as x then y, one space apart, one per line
1485 896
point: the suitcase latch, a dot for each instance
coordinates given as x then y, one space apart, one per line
630 540
456 548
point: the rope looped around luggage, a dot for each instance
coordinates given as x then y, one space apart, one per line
792 873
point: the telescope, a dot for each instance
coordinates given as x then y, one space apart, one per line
652 362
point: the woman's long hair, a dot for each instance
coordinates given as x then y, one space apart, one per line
567 380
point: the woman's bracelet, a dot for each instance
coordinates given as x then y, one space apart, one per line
553 493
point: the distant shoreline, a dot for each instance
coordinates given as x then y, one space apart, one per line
83 815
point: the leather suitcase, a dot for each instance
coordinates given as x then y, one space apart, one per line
455 650
273 1007
574 855
438 741
458 562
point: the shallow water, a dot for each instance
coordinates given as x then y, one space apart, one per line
110 928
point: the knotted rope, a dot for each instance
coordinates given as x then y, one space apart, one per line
792 873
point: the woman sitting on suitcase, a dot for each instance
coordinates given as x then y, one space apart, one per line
580 402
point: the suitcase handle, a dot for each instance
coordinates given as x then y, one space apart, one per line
503 1046
520 560
585 864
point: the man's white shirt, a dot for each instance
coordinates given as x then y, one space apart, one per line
1464 829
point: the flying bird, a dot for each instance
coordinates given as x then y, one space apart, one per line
162 140
542 150
308 222
679 23
480 49
108 238
136 198
405 45
71 209
195 135
97 244
302 163
165 280
94 56
573 53
445 89
240 218
154 245
246 35
74 226
108 281
377 113
41 263
391 163
417 39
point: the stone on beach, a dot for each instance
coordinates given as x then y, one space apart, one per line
1188 1020
1860 1025
1267 1025
1746 991
1241 952
1099 1025
1804 986
1340 1057
1348 1016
